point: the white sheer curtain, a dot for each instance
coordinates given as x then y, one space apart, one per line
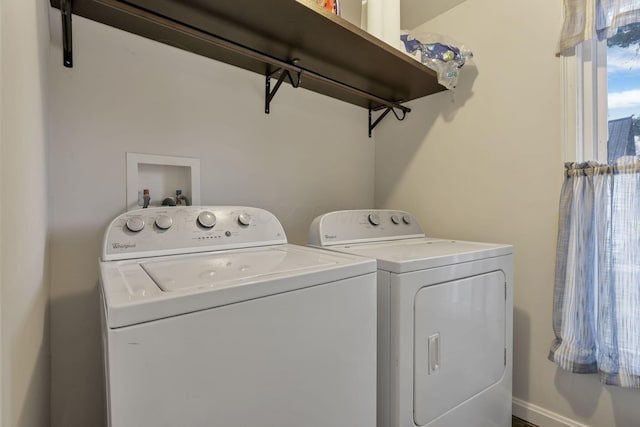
596 311
579 23
585 18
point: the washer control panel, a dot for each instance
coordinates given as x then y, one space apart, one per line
178 230
359 226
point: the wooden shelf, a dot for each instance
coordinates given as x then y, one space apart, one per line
335 57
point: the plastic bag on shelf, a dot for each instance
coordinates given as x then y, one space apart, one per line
439 53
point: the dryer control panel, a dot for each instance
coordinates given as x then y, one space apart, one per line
180 230
359 226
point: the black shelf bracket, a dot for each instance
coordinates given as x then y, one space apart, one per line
67 48
269 94
386 111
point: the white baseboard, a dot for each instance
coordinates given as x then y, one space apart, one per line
540 416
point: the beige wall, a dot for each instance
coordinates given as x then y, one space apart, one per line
23 216
485 163
127 94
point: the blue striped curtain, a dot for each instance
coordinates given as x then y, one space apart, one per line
614 14
585 18
596 308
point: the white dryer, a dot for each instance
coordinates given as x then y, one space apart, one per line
211 319
445 319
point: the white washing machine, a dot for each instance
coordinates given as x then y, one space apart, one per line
211 319
445 319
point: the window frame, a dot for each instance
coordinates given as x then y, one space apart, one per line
585 107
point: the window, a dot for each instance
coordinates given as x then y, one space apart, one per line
602 86
623 92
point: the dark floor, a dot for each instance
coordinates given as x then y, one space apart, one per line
517 422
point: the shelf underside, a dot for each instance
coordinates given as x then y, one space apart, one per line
336 58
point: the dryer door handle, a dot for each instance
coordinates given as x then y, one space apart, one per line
434 353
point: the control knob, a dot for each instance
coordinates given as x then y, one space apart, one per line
244 219
374 219
406 219
207 219
135 223
395 219
164 222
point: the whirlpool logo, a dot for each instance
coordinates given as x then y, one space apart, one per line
330 236
123 245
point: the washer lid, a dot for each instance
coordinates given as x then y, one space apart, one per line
143 290
401 256
222 270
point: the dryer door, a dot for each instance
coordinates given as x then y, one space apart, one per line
459 347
